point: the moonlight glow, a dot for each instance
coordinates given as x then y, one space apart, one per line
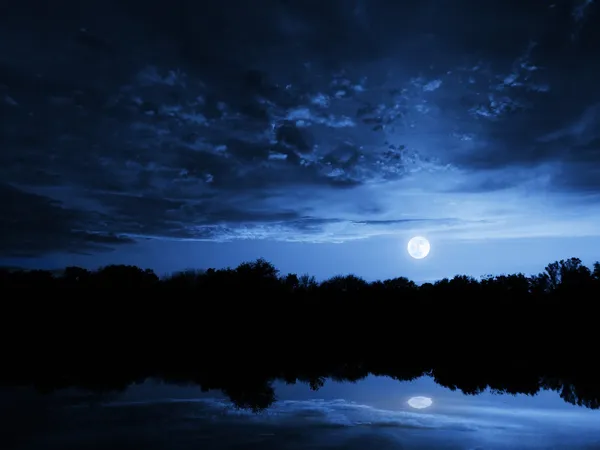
420 402
418 247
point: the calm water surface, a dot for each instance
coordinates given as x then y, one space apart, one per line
370 414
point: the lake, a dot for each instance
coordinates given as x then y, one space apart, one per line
371 414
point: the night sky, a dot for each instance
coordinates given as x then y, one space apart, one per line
320 135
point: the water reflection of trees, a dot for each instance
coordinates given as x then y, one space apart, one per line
240 329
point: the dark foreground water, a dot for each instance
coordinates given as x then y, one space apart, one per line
371 414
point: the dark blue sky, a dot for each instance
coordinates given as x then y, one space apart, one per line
320 135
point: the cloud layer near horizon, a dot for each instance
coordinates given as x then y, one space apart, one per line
306 122
213 423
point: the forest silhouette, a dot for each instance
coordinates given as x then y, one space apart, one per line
238 330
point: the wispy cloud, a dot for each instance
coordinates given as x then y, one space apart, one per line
333 422
325 413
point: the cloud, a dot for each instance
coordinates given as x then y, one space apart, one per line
322 413
566 418
153 125
331 423
32 224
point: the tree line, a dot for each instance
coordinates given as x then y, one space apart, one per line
238 329
557 276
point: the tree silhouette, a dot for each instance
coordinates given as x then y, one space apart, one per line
291 281
75 276
350 284
596 273
307 282
239 329
400 284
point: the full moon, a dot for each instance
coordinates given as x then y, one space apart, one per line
420 402
418 247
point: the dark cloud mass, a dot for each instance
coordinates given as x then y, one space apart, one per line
289 120
32 224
